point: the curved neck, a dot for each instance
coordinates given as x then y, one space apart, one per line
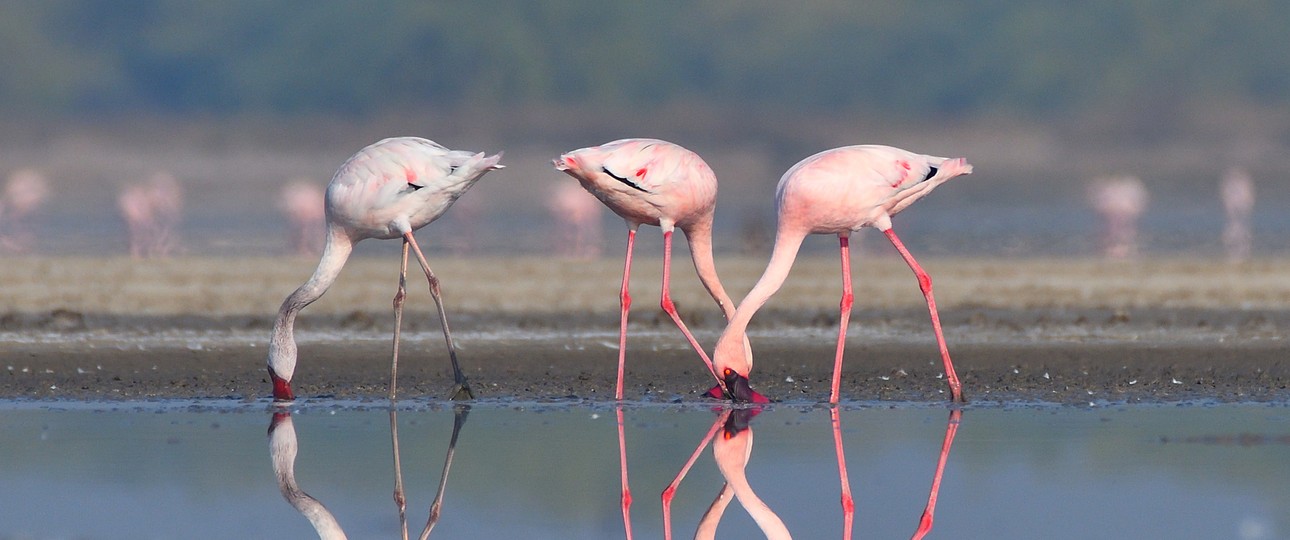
699 236
282 346
781 262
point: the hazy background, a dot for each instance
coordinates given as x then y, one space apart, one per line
237 97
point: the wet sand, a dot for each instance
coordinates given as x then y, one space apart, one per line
1052 330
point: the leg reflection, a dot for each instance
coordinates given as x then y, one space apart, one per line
460 412
951 428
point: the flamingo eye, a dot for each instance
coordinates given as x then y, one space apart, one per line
728 372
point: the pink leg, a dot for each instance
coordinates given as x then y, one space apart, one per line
671 488
848 504
845 313
622 460
952 428
925 283
670 308
625 302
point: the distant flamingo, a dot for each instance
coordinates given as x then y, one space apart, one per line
836 192
653 182
386 191
1120 201
152 212
283 448
578 216
301 200
24 192
1237 190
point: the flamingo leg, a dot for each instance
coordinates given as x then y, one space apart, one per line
848 504
666 303
399 296
951 428
925 284
462 391
670 492
622 462
844 317
625 304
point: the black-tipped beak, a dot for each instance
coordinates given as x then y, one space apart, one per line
739 391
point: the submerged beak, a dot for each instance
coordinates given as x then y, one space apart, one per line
737 390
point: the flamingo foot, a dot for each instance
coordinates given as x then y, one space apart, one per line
462 392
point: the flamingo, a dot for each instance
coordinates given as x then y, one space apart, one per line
836 192
653 182
302 202
579 217
1120 201
386 191
283 448
24 192
152 211
1237 191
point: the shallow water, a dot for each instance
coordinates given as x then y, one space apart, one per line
551 470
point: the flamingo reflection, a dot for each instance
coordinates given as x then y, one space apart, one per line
731 451
282 449
460 411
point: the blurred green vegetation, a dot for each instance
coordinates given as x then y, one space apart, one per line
899 56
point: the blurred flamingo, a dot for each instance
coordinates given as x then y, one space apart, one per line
1237 190
152 211
385 191
1119 200
283 448
24 192
578 217
836 192
653 182
302 202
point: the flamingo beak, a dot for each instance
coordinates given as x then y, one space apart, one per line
737 390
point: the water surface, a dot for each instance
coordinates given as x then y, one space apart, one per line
552 470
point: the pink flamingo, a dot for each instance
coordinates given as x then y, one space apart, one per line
302 202
1120 201
152 211
579 217
1237 190
24 192
386 191
283 448
653 182
836 192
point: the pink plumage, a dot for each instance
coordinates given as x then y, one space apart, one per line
836 192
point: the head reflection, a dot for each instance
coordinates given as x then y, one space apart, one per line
282 450
732 437
283 447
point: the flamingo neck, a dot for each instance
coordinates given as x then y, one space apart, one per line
699 236
781 261
282 346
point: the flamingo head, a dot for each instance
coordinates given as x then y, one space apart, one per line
736 389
